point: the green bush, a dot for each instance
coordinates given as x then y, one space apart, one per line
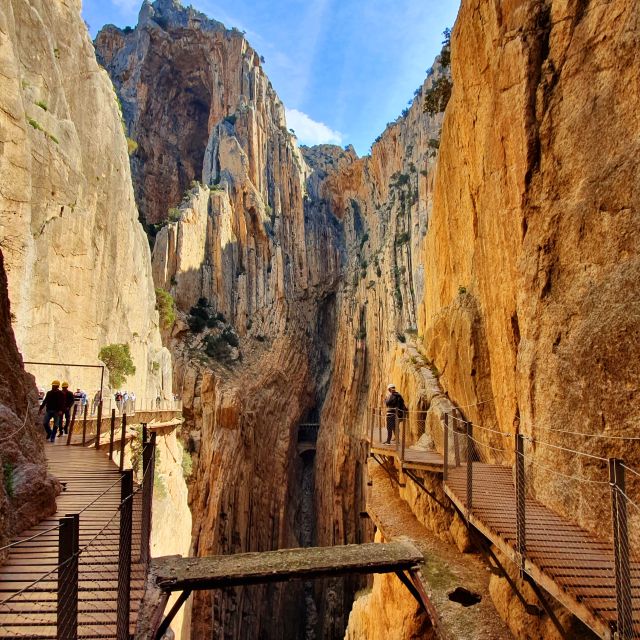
166 306
197 323
174 214
132 145
403 238
216 347
187 464
230 337
35 124
43 105
117 359
436 99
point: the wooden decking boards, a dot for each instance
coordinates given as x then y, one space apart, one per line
573 565
86 475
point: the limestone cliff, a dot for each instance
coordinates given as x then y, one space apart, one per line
526 309
27 493
251 263
77 259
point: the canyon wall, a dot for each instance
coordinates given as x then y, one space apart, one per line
535 216
251 264
306 280
77 259
526 309
27 493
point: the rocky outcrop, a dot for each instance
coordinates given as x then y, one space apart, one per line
77 259
27 492
178 74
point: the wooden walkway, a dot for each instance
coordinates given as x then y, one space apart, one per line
414 457
571 564
91 485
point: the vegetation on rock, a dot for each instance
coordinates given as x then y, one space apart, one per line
166 306
117 359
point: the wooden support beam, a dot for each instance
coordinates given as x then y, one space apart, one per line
177 574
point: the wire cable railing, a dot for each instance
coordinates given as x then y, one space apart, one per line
100 565
548 498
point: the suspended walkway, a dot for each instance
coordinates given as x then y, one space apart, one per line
80 573
493 479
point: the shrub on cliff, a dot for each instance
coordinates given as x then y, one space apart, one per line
117 359
166 306
436 99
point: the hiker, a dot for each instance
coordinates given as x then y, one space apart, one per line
132 402
80 399
95 402
395 410
54 402
69 399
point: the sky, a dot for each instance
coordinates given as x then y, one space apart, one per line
342 68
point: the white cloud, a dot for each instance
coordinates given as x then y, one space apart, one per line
309 131
127 5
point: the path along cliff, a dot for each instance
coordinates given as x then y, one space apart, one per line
487 254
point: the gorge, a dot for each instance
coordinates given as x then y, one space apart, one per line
483 257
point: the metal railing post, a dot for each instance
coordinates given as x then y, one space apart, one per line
621 550
112 433
445 452
521 528
84 419
67 608
123 440
403 435
72 424
98 423
148 469
124 555
98 430
469 426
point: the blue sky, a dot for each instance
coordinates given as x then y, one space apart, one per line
343 68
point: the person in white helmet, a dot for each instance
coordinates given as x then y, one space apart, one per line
395 410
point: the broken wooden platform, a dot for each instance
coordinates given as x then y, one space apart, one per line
170 574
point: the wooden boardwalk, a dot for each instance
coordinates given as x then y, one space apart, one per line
571 564
414 457
91 486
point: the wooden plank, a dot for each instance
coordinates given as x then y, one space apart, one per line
177 574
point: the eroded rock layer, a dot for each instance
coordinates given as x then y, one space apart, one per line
77 259
27 493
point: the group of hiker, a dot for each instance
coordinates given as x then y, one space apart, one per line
57 404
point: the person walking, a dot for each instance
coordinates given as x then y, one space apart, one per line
95 402
54 403
395 410
69 400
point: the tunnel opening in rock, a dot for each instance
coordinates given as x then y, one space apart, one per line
465 597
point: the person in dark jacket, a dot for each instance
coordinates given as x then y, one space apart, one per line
54 403
395 410
69 401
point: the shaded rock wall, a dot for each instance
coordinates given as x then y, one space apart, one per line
27 492
77 259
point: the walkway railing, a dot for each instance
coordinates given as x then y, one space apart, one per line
499 478
87 592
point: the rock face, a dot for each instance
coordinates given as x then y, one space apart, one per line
529 276
255 258
27 493
493 281
535 214
178 74
77 259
